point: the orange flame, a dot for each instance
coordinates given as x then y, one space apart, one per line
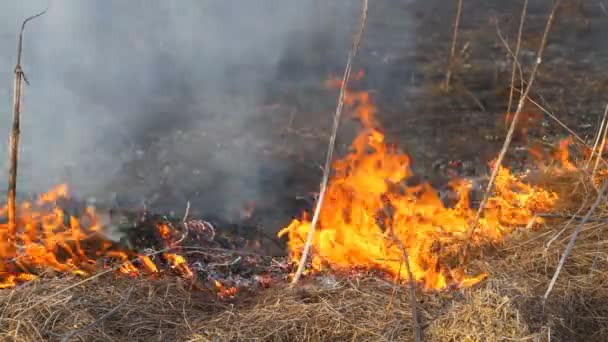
370 215
47 239
223 291
562 155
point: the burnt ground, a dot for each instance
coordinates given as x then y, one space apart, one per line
404 55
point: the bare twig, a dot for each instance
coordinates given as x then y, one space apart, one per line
597 140
412 290
504 42
559 122
187 212
516 54
603 145
332 143
448 74
14 137
562 261
532 101
74 333
509 136
571 219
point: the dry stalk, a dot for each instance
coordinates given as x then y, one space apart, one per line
603 145
568 129
448 74
504 42
543 109
186 212
516 54
509 136
15 131
597 139
332 143
562 261
412 289
558 121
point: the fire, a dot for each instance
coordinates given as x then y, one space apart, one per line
336 82
223 291
48 239
562 155
370 215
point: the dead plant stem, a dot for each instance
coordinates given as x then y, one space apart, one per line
562 261
14 136
448 74
597 140
602 146
332 143
516 54
509 137
412 289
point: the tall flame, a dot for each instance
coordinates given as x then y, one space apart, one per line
370 215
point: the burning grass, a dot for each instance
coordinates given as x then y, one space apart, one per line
354 308
372 214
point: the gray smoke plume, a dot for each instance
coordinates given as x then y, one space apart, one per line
173 85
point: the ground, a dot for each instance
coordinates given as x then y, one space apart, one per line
404 57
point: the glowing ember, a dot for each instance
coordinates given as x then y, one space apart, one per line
369 213
223 291
179 264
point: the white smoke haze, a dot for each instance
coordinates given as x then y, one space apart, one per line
109 79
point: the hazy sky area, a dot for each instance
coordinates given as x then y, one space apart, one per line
108 77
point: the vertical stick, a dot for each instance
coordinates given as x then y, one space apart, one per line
448 74
516 55
562 260
332 143
14 137
411 288
602 146
509 137
597 140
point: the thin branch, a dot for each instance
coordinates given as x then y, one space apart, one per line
516 54
599 153
187 212
448 74
14 137
571 219
504 42
332 143
411 288
597 139
509 136
528 98
558 121
568 129
562 261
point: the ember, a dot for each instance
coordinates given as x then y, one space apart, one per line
225 292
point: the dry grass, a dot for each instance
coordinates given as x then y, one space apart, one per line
507 307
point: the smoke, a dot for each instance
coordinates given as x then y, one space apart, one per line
144 97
